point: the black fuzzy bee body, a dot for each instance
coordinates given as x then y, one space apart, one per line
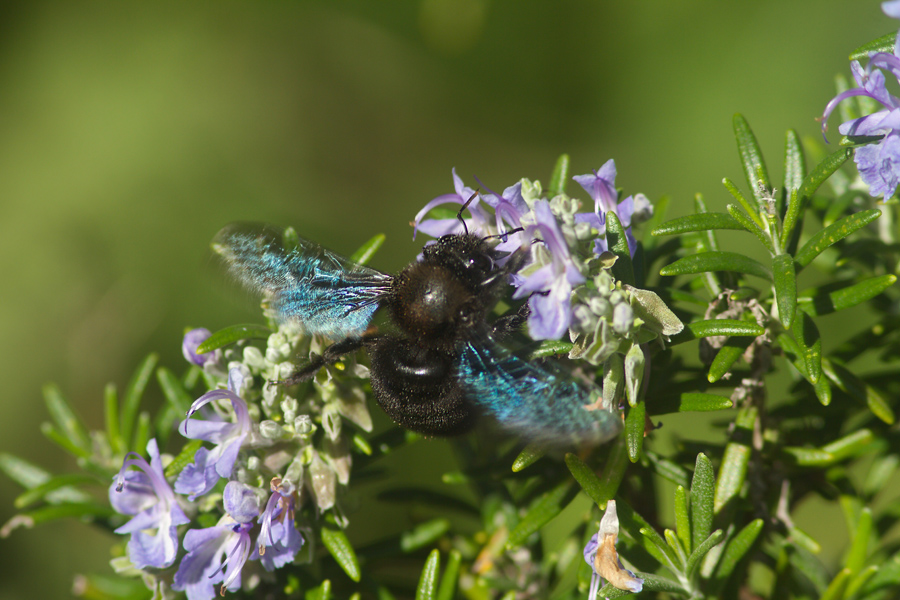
442 366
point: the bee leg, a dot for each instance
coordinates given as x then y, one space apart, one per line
331 355
510 323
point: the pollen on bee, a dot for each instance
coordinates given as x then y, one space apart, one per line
339 366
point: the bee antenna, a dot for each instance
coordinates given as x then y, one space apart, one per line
505 235
464 207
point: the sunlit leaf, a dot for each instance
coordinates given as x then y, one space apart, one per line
819 302
833 234
697 222
337 544
751 157
131 401
365 252
883 44
785 280
233 334
635 425
428 580
560 175
735 550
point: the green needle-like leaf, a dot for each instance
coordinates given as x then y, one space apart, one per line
835 590
84 511
184 458
613 472
833 234
785 280
423 534
322 592
337 544
803 540
668 469
447 589
42 491
132 399
703 491
54 435
810 184
529 455
809 457
726 357
717 261
697 222
66 421
857 388
428 580
809 343
652 583
635 425
701 551
751 158
111 419
887 578
823 391
560 175
860 580
859 546
631 522
541 512
739 215
691 402
668 554
623 270
736 549
142 432
851 445
365 252
818 302
30 477
711 327
682 518
585 477
794 163
749 209
174 391
883 44
26 474
733 471
233 334
674 543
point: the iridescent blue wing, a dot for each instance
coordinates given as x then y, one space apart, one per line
539 402
325 293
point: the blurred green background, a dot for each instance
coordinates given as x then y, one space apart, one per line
130 133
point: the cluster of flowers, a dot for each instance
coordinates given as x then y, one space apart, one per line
266 460
570 240
570 289
269 467
878 163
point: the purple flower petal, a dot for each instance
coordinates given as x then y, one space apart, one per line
241 502
209 465
146 495
201 568
192 339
